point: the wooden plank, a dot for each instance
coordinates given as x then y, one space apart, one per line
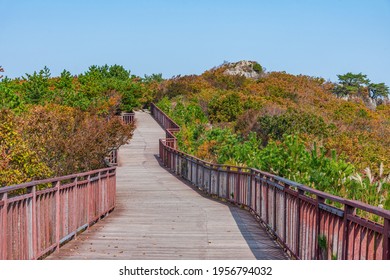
159 217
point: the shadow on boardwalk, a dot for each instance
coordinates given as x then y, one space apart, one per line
258 240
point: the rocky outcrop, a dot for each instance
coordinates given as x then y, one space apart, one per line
248 69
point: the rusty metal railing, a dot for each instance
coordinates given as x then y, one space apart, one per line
303 220
37 217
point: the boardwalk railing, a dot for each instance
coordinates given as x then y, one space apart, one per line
112 158
127 118
299 217
37 217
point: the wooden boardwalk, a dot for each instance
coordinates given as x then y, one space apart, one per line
158 216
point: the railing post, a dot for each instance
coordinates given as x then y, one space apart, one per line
173 162
75 210
166 152
348 210
113 193
168 159
58 206
89 200
4 227
203 179
266 200
319 201
284 238
218 192
77 206
236 197
298 222
99 190
249 191
260 196
228 183
274 209
255 206
210 179
105 198
197 173
34 252
386 239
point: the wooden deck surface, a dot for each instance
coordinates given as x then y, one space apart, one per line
158 216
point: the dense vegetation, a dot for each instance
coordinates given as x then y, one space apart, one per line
66 124
331 136
334 137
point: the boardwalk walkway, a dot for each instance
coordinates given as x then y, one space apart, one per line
159 217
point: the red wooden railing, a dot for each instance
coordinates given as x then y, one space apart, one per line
127 118
37 217
112 157
302 219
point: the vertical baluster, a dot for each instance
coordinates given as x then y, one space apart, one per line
284 239
298 223
4 227
197 184
348 210
386 239
274 208
318 226
266 199
210 168
237 196
57 223
203 177
89 200
218 191
260 196
76 211
228 183
249 191
256 184
34 223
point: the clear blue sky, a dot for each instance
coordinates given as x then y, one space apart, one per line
316 38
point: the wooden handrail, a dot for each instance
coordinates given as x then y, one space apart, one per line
304 220
35 221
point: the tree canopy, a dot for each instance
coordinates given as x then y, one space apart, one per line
359 85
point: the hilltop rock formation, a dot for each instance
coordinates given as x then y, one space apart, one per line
248 69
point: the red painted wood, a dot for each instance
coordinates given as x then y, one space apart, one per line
35 223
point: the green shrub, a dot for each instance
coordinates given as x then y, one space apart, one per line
291 122
225 108
257 68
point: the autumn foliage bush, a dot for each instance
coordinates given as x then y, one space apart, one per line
18 163
63 125
69 140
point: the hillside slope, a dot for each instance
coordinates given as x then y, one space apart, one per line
269 120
